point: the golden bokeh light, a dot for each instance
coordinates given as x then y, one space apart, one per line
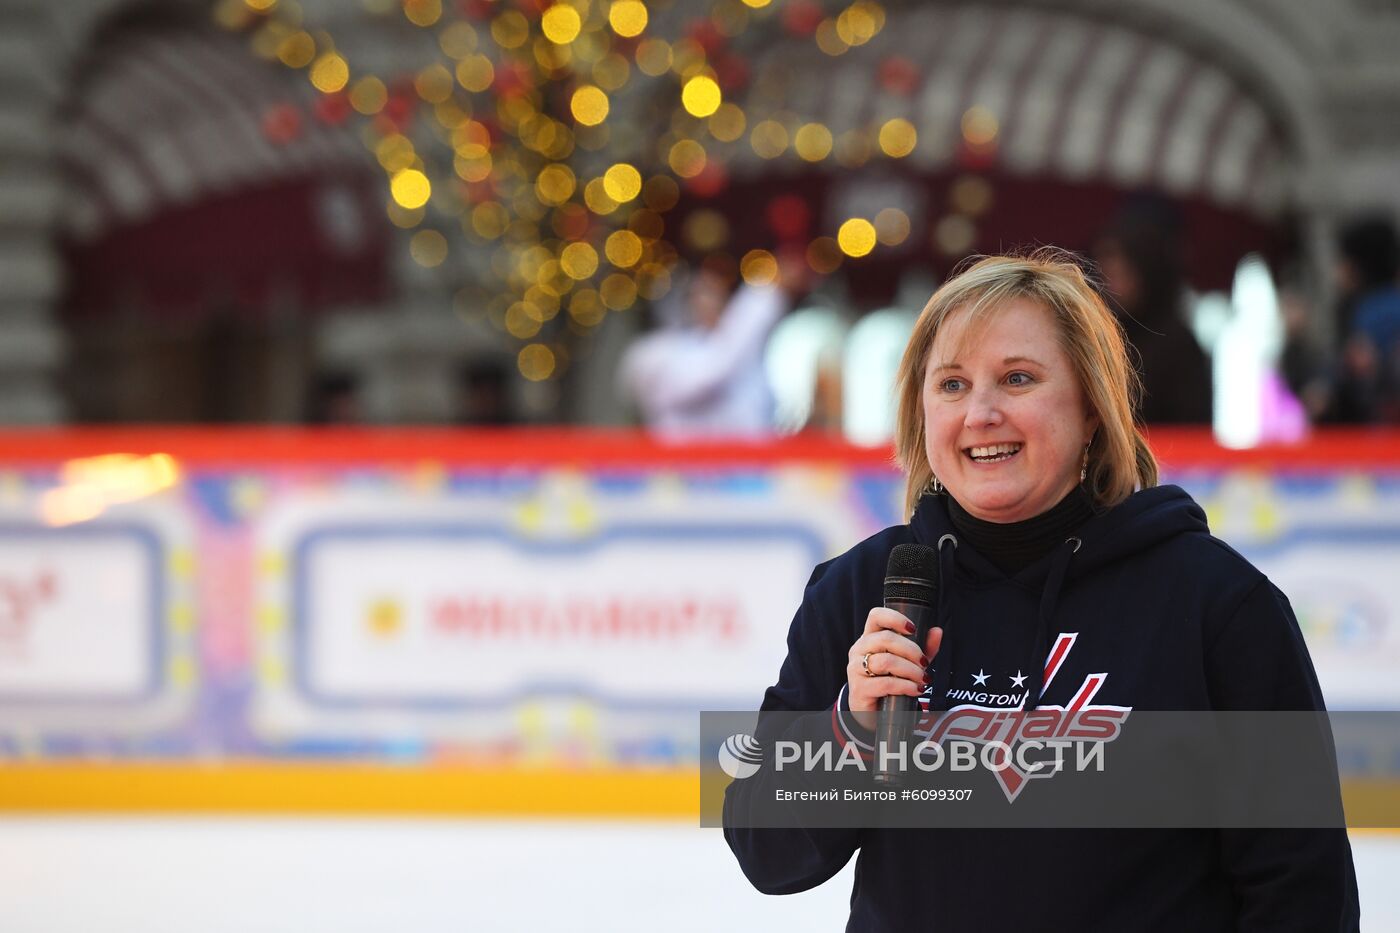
727 123
979 126
536 362
687 57
434 84
824 255
857 23
422 12
898 138
759 267
329 73
892 226
579 260
812 142
589 105
611 71
546 301
405 218
458 40
646 224
473 168
701 96
451 114
410 188
687 158
475 73
757 4
622 182
428 248
532 260
555 184
769 139
829 40
551 57
856 237
260 6
395 153
368 95
653 57
706 230
971 195
561 24
623 248
586 307
552 278
297 50
661 193
510 29
523 320
627 18
595 195
489 219
618 291
954 235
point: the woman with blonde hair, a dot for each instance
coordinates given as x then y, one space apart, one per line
1067 578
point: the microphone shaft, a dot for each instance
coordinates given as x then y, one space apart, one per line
894 719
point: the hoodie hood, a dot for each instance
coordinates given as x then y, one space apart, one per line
1144 520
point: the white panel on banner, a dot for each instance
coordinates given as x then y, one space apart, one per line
78 615
1346 595
663 615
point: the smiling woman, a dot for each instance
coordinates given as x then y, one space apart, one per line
1019 351
1006 427
1068 583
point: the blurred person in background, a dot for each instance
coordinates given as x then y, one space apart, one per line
1139 257
483 394
1058 555
334 399
1368 381
1305 367
702 374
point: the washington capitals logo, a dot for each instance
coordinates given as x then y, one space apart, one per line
1080 720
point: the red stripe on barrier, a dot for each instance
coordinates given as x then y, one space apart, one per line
1176 448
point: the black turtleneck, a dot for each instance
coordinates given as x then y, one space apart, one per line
1016 545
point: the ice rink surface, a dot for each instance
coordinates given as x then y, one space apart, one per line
235 875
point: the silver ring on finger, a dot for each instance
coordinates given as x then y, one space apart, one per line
865 664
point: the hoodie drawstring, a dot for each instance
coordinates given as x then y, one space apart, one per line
943 618
1045 632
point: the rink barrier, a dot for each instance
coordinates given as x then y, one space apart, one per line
322 789
341 788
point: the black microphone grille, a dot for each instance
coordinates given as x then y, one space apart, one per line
913 560
911 567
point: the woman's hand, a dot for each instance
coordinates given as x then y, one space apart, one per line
895 661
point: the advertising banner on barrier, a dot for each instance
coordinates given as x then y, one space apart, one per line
535 598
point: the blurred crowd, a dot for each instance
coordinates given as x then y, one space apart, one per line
1358 382
700 372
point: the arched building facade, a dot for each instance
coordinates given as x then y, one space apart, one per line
1269 120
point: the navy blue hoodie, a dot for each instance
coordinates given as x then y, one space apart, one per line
1176 620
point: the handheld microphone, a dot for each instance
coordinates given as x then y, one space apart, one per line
910 589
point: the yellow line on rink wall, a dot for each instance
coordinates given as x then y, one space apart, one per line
349 789
326 789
